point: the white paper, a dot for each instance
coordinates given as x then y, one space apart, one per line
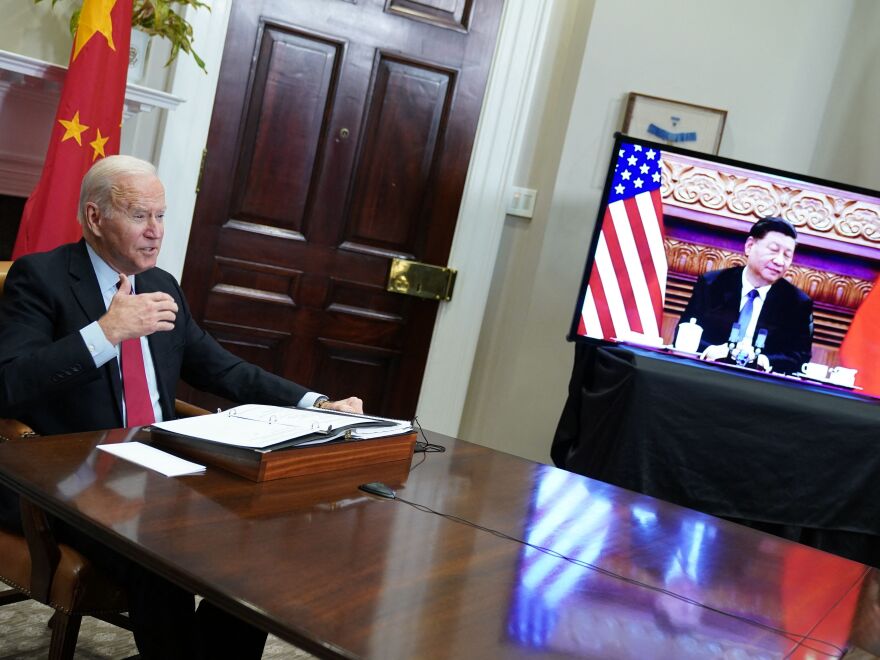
259 426
152 458
398 428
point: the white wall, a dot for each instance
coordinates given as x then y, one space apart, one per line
849 140
770 65
37 30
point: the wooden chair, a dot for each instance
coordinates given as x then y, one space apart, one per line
36 566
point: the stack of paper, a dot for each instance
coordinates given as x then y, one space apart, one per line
398 427
152 458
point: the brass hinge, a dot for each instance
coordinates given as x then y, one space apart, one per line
413 278
201 170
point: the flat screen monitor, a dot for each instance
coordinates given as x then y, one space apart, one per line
681 240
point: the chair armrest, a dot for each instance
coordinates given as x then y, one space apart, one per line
184 409
12 429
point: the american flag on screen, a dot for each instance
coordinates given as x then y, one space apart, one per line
628 281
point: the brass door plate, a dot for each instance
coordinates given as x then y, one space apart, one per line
413 278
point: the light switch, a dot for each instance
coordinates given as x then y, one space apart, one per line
522 202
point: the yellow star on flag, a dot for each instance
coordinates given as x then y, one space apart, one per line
73 129
98 145
94 17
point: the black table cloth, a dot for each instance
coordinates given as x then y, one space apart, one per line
784 455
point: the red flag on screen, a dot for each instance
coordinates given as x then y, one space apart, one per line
86 127
628 280
860 348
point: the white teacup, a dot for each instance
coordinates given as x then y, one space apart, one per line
814 370
688 336
843 376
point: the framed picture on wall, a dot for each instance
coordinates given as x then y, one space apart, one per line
682 124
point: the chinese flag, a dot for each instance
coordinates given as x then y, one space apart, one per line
861 346
87 125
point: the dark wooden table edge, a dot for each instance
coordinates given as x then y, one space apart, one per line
240 609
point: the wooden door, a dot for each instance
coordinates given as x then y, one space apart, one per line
340 138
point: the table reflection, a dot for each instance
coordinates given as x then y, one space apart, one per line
99 487
647 579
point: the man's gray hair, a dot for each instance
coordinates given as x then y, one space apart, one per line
98 183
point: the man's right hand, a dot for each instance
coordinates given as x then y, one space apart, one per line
713 353
130 316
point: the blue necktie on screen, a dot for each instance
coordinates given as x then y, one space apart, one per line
745 314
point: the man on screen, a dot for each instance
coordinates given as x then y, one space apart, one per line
765 308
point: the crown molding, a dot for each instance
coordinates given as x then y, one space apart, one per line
36 78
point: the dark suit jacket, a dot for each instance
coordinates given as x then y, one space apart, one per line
787 315
48 378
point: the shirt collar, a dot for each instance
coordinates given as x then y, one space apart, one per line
107 277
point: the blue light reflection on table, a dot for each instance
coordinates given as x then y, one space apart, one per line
562 606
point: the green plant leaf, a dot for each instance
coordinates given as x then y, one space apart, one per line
159 19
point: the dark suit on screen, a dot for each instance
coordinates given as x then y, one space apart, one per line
787 315
48 380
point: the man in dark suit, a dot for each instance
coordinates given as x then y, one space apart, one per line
67 317
758 300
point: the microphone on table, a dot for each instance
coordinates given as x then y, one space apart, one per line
760 340
734 337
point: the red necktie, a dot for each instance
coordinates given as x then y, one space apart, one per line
138 406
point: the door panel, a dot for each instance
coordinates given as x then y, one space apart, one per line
340 139
294 70
403 128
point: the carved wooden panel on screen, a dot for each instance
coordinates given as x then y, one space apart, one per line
340 139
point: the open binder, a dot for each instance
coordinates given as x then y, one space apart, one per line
268 442
270 428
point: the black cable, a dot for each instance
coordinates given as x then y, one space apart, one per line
791 636
424 447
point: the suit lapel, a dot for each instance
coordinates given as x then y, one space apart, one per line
766 316
85 289
732 294
84 283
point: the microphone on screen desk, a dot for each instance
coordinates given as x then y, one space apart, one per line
732 341
734 337
760 340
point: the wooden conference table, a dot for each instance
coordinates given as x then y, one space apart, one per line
344 574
